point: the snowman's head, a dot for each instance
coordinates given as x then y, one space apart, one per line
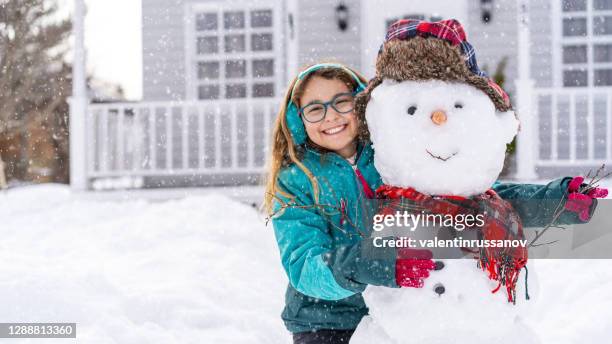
438 137
437 122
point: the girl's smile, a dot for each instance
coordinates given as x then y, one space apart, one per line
335 130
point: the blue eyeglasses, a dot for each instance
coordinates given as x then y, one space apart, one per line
316 111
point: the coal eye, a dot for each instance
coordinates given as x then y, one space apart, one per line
411 110
458 105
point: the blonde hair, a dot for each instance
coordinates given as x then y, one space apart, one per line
284 151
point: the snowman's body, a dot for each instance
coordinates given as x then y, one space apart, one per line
442 138
467 312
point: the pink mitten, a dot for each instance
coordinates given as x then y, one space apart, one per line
580 203
412 267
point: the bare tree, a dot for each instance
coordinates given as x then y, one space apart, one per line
2 176
34 77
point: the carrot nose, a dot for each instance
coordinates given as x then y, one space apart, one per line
438 117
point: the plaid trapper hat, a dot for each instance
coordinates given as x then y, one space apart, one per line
450 31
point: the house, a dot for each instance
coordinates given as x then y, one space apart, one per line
214 73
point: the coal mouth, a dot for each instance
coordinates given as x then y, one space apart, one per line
439 157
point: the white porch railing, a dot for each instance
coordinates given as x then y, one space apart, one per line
178 138
574 126
226 137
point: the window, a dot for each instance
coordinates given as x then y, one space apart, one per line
602 4
233 20
602 53
574 54
577 78
234 43
263 90
603 77
207 45
602 25
208 70
261 18
261 41
234 52
574 27
206 21
235 69
208 92
235 90
263 68
574 5
586 43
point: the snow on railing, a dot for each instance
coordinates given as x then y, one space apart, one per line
178 138
574 126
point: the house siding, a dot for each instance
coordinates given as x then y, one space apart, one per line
498 39
495 40
540 24
320 39
163 44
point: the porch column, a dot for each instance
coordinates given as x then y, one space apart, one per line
78 103
527 137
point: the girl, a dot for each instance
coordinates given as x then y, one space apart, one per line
320 175
323 169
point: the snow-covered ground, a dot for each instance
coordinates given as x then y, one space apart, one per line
202 269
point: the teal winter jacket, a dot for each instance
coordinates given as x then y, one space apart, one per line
321 242
323 253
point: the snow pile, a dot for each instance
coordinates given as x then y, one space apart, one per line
197 270
206 270
570 303
469 146
466 309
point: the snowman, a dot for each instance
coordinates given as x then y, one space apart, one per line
439 126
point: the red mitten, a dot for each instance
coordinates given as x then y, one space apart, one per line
412 267
580 203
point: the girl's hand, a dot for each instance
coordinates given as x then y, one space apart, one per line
580 203
412 267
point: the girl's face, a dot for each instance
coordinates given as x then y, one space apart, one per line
337 131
